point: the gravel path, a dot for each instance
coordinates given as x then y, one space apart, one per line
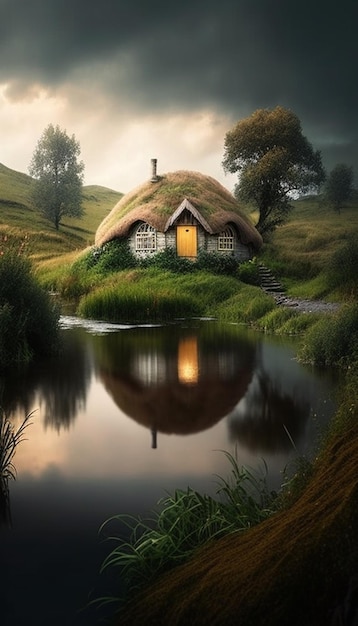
269 284
306 306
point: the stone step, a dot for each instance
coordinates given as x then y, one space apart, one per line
268 282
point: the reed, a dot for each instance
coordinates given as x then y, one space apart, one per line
9 440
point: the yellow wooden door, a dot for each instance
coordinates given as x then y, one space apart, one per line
187 241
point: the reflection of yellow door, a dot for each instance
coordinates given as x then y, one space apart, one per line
188 365
186 241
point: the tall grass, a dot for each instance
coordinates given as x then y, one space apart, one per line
136 303
246 305
184 521
9 440
156 295
342 267
333 340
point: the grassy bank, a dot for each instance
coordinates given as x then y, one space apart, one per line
294 560
296 567
297 562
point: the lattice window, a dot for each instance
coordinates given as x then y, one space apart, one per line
145 239
226 239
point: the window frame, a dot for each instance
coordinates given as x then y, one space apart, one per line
145 238
226 240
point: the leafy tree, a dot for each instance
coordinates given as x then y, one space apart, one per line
339 186
274 162
58 174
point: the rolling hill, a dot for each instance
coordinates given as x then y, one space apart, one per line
18 216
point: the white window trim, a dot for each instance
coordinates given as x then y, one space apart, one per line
145 238
226 239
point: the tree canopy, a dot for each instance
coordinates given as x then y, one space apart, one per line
339 186
274 161
58 174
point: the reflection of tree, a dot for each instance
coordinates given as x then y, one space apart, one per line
59 384
64 392
266 416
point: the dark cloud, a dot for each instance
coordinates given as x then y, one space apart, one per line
233 55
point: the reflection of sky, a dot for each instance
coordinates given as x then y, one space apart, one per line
102 442
106 443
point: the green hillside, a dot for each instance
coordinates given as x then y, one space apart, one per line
298 252
19 217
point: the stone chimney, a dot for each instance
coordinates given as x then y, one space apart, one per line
154 178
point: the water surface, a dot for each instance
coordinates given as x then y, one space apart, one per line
124 415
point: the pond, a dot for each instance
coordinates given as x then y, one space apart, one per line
125 415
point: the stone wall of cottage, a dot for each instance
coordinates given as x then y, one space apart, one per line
205 242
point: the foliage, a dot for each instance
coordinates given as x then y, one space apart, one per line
168 260
58 174
186 520
112 257
28 321
217 263
116 255
274 160
248 272
333 340
339 186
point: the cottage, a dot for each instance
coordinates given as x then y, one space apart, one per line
183 210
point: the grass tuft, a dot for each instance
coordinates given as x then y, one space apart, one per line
184 521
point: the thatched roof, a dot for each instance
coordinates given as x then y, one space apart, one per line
156 202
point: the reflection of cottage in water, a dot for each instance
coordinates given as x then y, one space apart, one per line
177 381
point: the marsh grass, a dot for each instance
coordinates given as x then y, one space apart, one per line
184 521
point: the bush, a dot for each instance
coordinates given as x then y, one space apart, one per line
216 263
248 272
342 268
333 340
168 260
28 321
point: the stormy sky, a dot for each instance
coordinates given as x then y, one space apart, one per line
138 79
